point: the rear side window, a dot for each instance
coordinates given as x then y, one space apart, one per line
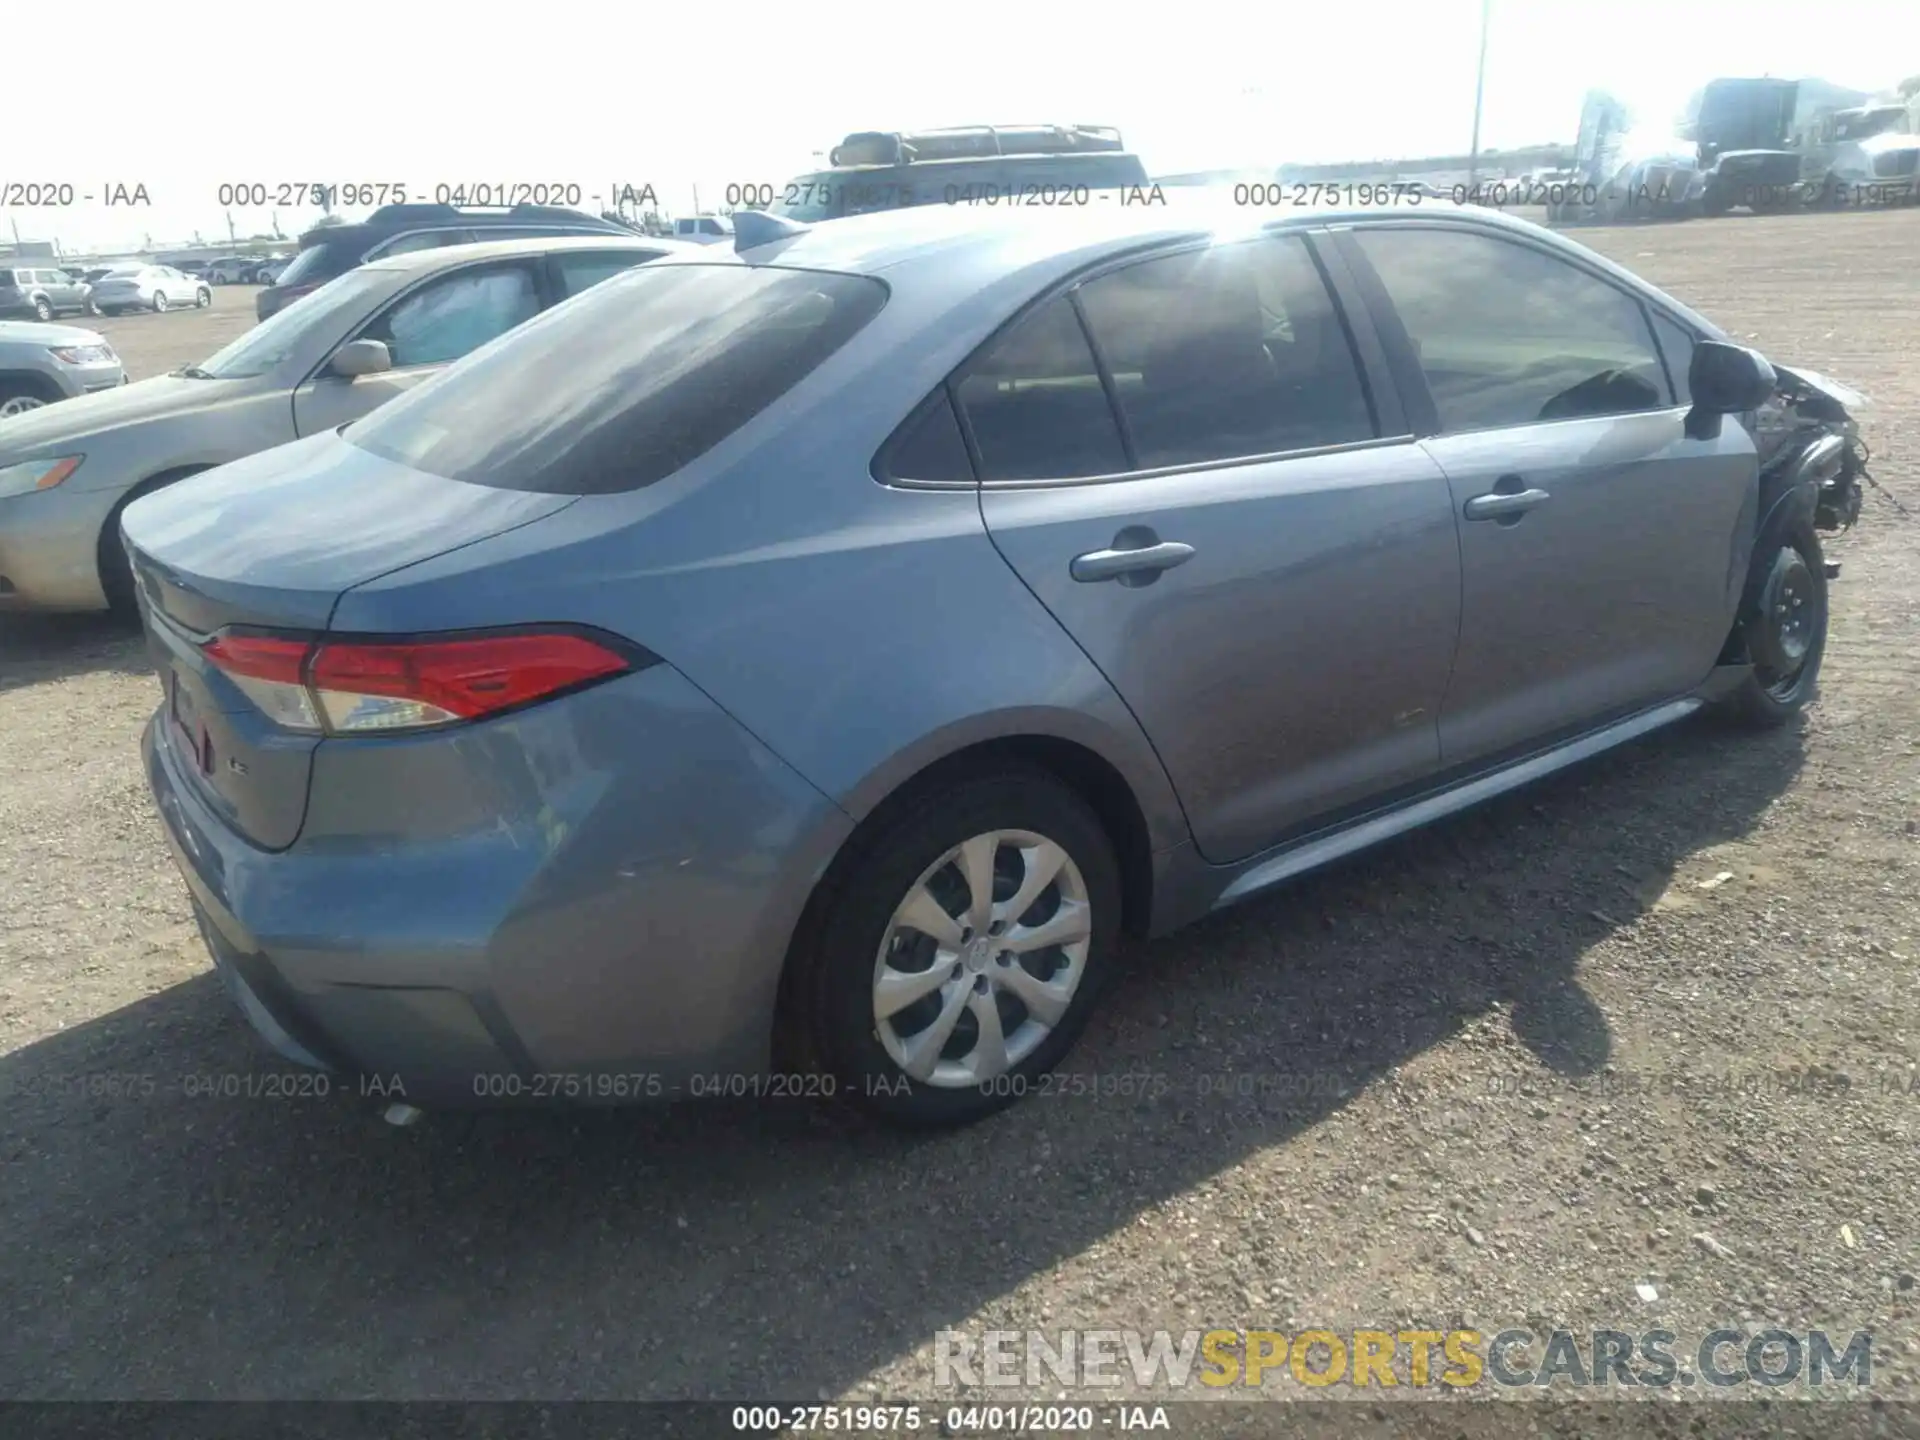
929 446
1509 335
1035 404
649 372
584 271
1227 352
319 262
7 279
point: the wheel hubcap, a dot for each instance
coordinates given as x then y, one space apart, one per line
19 405
1789 623
982 958
1793 617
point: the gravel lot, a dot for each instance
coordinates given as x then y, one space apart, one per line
1488 1062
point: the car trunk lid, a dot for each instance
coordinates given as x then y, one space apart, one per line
269 544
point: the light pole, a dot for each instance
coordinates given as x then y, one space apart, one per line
1479 88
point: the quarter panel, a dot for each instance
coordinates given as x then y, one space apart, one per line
608 880
861 632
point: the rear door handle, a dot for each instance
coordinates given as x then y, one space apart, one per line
1504 505
1143 560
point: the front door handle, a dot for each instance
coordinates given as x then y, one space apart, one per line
1504 505
1136 564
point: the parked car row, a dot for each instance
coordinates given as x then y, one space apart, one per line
44 292
811 655
243 269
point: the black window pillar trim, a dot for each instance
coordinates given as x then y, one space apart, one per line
1402 364
1107 382
1363 341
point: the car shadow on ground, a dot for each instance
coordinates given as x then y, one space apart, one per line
174 1224
36 649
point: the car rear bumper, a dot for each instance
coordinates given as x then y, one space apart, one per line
50 549
589 900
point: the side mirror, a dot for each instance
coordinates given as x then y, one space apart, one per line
360 357
1725 380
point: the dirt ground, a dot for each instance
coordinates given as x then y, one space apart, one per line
1503 1072
152 344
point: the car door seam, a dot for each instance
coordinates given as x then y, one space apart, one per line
1460 607
980 500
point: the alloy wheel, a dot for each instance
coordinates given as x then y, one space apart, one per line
982 958
19 405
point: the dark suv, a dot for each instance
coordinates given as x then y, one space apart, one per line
330 250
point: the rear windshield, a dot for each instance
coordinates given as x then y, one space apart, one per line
1013 179
319 262
626 383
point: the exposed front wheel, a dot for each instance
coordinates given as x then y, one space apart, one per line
16 401
159 301
961 951
43 309
1785 634
202 299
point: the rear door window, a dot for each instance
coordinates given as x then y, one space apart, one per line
623 389
1230 351
1036 405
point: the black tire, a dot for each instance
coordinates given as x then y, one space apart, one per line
159 302
1782 683
202 298
33 392
116 571
43 309
827 1022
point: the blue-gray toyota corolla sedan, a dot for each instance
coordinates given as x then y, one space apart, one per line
794 668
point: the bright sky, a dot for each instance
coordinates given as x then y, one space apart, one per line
594 91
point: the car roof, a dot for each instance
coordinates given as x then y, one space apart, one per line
961 248
373 229
908 238
528 245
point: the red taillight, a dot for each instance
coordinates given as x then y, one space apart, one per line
362 686
462 679
259 657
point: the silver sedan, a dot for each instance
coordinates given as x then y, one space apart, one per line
148 287
67 470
